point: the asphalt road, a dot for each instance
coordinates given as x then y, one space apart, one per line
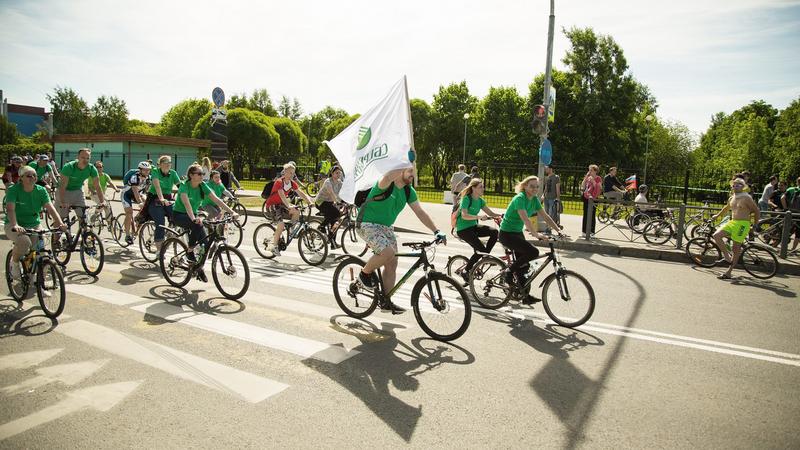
672 358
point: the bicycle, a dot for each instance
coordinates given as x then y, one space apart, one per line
91 247
38 267
571 306
457 264
350 241
103 217
660 231
757 259
311 243
226 262
234 204
445 301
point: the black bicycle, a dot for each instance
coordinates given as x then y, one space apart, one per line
311 243
567 296
757 259
91 247
444 312
38 268
229 268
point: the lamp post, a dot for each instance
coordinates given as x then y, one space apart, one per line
647 119
464 153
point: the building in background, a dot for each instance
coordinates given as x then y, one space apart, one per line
28 119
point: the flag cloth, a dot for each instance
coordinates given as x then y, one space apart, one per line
630 182
377 142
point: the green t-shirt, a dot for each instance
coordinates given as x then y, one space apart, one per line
41 171
385 212
218 189
77 176
512 223
473 207
104 179
27 205
194 194
167 182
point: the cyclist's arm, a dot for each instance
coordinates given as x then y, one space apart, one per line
722 211
11 214
54 215
62 187
157 185
217 201
549 220
187 205
489 211
100 194
136 194
389 178
305 196
235 181
558 190
111 182
424 217
754 209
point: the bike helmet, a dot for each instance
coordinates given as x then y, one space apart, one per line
144 165
643 188
16 159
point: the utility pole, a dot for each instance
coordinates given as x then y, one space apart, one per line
547 83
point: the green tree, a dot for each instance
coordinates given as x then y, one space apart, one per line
260 101
237 101
136 126
313 126
447 129
180 120
110 115
71 114
787 141
501 130
421 122
292 140
290 108
8 132
669 151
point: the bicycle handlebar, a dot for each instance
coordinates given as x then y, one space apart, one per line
423 244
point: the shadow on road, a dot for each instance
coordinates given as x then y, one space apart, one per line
173 296
20 319
746 280
388 361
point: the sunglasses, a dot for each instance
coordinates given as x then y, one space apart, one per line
29 176
195 173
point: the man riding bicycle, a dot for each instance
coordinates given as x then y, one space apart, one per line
280 207
741 205
133 184
70 188
44 172
385 201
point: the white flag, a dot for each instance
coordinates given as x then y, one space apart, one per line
379 141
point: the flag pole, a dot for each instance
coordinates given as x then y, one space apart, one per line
411 132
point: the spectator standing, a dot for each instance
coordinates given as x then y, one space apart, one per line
769 189
552 195
205 166
457 178
791 202
591 187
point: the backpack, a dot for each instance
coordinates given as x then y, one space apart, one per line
265 193
126 179
455 214
794 203
378 198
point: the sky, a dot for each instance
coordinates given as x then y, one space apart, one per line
698 57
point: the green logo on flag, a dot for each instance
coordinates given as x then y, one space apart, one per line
364 135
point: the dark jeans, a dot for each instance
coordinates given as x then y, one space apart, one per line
472 237
158 212
524 252
585 214
196 231
331 213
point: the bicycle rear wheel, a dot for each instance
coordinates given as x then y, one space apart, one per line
638 222
313 246
352 244
262 239
92 254
230 272
487 285
355 299
455 268
570 303
62 247
239 209
18 287
118 231
50 288
444 311
147 241
703 252
173 263
658 232
233 234
759 261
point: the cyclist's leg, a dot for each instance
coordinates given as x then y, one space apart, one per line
158 213
196 231
22 243
383 242
721 245
471 236
127 207
524 252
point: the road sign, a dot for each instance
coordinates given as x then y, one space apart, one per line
546 152
218 96
551 113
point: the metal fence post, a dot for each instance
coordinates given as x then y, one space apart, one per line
686 188
681 224
787 233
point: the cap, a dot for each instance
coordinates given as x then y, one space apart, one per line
44 158
144 165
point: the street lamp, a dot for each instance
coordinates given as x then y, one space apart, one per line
464 153
648 119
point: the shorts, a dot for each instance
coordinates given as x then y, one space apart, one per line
378 237
127 199
71 198
738 229
279 212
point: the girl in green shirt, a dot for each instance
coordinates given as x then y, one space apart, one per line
467 228
215 183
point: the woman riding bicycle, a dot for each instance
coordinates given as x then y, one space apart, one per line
467 227
327 198
219 190
24 203
525 204
159 199
191 193
279 206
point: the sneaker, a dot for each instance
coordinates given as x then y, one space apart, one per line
190 257
274 250
465 276
529 300
129 239
201 275
387 305
368 280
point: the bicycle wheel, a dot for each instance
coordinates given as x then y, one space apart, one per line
313 246
16 287
230 272
262 239
173 263
703 252
487 285
658 232
355 299
239 209
92 254
759 261
61 243
770 231
147 241
50 288
701 230
444 311
602 215
570 303
639 221
233 234
352 244
264 211
118 231
455 268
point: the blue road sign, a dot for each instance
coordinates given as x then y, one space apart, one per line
218 97
546 151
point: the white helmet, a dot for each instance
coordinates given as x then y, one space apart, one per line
144 165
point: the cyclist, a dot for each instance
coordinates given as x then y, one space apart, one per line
70 188
280 207
385 201
44 172
467 227
159 199
219 190
327 198
24 203
104 180
132 187
525 204
191 193
11 175
741 205
791 202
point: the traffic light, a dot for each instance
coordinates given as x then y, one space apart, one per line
539 120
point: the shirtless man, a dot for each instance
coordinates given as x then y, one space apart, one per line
741 205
